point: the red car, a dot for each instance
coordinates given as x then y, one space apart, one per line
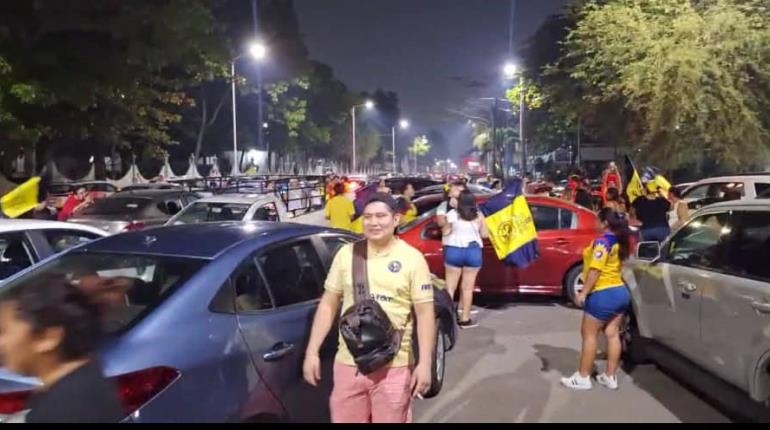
564 230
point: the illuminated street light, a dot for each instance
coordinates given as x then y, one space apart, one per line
258 50
369 105
509 70
265 125
404 124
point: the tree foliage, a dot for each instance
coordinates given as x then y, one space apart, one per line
685 73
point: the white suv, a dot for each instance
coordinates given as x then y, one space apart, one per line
725 188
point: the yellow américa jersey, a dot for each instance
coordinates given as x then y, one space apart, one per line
603 255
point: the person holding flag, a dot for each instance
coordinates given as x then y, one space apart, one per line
511 226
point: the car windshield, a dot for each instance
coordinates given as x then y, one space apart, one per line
118 206
211 211
141 282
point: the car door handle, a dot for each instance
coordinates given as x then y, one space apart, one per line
687 287
562 241
762 307
278 351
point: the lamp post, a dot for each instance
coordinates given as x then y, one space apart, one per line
404 124
510 72
368 105
257 51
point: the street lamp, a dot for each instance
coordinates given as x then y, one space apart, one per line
510 71
369 105
404 124
257 51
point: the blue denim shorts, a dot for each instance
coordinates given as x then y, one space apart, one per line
606 304
463 257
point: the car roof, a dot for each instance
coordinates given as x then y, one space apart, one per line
734 178
739 204
204 240
12 225
245 198
147 193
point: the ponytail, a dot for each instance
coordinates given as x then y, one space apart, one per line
618 224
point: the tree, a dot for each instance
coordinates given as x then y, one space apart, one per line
684 73
420 146
368 145
120 69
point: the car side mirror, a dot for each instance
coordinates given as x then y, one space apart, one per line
648 251
432 232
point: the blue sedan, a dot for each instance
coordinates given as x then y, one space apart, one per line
214 321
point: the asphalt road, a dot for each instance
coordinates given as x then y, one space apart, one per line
508 369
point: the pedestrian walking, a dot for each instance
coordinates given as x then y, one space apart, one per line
652 211
605 299
464 230
397 278
340 209
51 330
679 210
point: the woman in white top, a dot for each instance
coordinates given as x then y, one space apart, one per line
679 211
463 232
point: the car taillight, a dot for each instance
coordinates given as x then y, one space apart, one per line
137 388
134 390
14 401
134 225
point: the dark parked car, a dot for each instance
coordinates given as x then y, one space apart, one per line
135 210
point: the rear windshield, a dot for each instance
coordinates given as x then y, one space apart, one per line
145 281
118 206
208 211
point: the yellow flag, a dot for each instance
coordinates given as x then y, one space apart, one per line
511 227
21 199
635 187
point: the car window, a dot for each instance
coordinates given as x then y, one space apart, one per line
212 212
170 206
15 255
567 219
334 243
546 217
294 273
763 190
266 212
61 240
140 282
117 206
701 243
250 291
427 205
749 250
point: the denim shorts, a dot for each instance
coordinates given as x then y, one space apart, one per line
463 257
606 304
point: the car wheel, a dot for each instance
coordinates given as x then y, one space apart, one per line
438 364
573 282
632 343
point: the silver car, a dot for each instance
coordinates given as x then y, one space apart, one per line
705 295
232 207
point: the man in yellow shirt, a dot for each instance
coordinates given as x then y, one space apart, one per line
340 210
408 209
399 280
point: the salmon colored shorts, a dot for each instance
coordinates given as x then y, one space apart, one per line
380 397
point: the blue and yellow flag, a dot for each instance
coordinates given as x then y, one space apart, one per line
511 227
634 187
21 199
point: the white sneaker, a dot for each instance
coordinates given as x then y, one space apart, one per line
577 382
610 382
474 311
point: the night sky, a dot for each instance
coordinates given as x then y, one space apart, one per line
420 49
